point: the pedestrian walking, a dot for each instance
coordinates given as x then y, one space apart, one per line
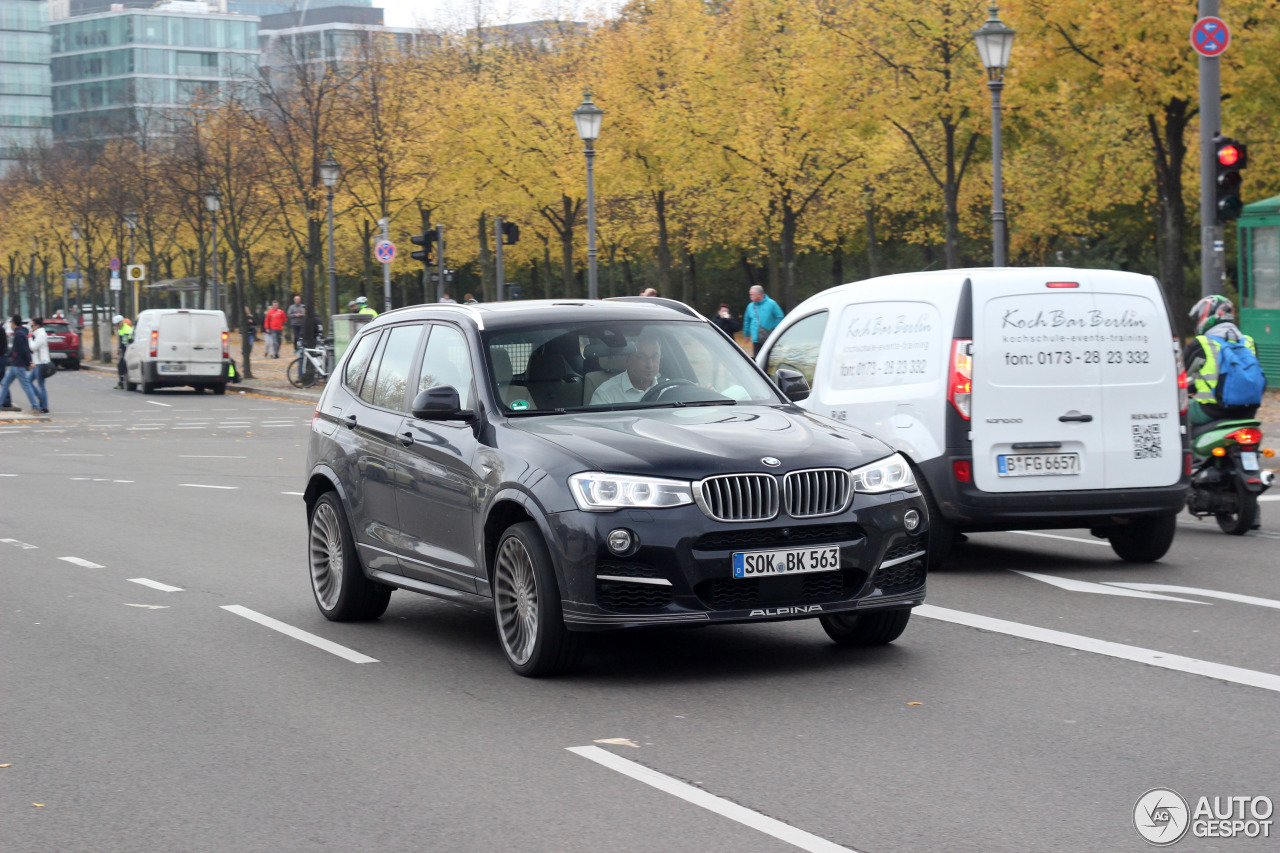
250 324
273 327
297 319
761 317
19 367
41 364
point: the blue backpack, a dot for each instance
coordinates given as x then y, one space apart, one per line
1240 377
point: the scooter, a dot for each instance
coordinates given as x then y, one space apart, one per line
1226 477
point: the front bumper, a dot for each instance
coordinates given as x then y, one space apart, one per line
681 571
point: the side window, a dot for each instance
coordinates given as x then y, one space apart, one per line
393 371
353 371
371 377
797 348
447 361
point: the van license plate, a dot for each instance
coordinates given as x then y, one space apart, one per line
1037 464
794 561
173 367
1249 460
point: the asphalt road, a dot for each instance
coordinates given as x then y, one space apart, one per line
1013 715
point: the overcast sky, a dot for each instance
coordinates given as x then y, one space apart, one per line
460 14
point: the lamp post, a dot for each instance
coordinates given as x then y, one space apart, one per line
213 201
995 42
330 173
588 118
131 222
76 237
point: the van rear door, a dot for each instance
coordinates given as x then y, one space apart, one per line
1037 404
173 344
1141 424
206 344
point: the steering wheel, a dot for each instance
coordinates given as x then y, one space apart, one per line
660 388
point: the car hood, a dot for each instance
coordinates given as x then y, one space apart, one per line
695 442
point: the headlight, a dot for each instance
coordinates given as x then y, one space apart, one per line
887 475
595 492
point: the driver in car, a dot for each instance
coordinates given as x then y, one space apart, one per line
641 374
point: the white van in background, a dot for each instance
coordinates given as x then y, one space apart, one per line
177 346
1027 398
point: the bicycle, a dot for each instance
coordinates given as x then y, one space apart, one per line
300 376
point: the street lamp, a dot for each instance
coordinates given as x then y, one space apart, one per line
330 172
76 237
995 42
213 201
131 222
588 118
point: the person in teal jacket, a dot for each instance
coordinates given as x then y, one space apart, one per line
761 317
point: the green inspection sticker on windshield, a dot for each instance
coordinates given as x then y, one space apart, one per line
519 405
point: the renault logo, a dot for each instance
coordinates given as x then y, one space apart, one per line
771 461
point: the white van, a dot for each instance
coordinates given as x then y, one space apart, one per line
176 346
1027 398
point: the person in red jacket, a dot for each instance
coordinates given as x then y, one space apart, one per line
273 327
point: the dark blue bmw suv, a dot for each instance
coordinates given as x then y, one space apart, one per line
589 465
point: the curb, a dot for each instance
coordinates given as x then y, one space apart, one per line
250 386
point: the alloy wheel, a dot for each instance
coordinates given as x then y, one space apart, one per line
326 555
516 600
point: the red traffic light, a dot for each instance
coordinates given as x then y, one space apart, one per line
1228 155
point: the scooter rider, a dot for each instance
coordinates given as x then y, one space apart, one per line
1215 320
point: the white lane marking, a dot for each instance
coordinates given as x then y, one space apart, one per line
300 494
142 428
163 587
1151 657
188 427
299 634
49 429
8 475
150 425
710 802
81 478
269 426
1066 538
156 403
1269 497
123 481
149 606
1207 593
1073 585
65 455
212 457
78 561
202 486
23 545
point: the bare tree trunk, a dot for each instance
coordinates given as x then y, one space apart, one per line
488 270
664 242
1170 160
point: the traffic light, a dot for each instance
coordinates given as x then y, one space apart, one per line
510 233
1229 158
426 241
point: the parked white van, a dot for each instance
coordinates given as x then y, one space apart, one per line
1026 398
177 346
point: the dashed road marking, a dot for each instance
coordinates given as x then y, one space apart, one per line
80 561
1102 542
203 486
299 494
1151 657
163 587
158 403
212 457
23 545
299 634
692 794
1207 593
8 475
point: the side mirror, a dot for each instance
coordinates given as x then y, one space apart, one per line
441 404
792 384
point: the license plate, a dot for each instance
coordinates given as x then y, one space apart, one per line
1249 460
57 355
1037 464
793 561
173 368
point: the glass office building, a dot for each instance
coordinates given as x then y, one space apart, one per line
25 110
276 7
142 73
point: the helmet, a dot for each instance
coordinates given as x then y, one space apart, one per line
117 319
1210 311
361 301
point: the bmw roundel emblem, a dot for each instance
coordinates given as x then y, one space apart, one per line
771 461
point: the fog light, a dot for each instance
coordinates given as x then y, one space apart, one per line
911 520
620 541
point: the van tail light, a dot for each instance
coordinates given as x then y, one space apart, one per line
226 345
1247 438
959 389
155 342
1186 464
1183 382
963 469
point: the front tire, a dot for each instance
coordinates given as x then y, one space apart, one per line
148 387
527 608
1144 540
341 590
942 534
877 628
219 389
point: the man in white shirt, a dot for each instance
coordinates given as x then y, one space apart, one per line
631 384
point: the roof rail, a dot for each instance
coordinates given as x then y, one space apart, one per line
471 312
657 300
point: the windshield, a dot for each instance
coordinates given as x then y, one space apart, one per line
56 328
620 365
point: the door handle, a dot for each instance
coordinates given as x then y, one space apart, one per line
405 438
1084 419
351 421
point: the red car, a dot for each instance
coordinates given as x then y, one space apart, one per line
64 344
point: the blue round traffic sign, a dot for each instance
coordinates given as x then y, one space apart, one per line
1210 37
385 250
